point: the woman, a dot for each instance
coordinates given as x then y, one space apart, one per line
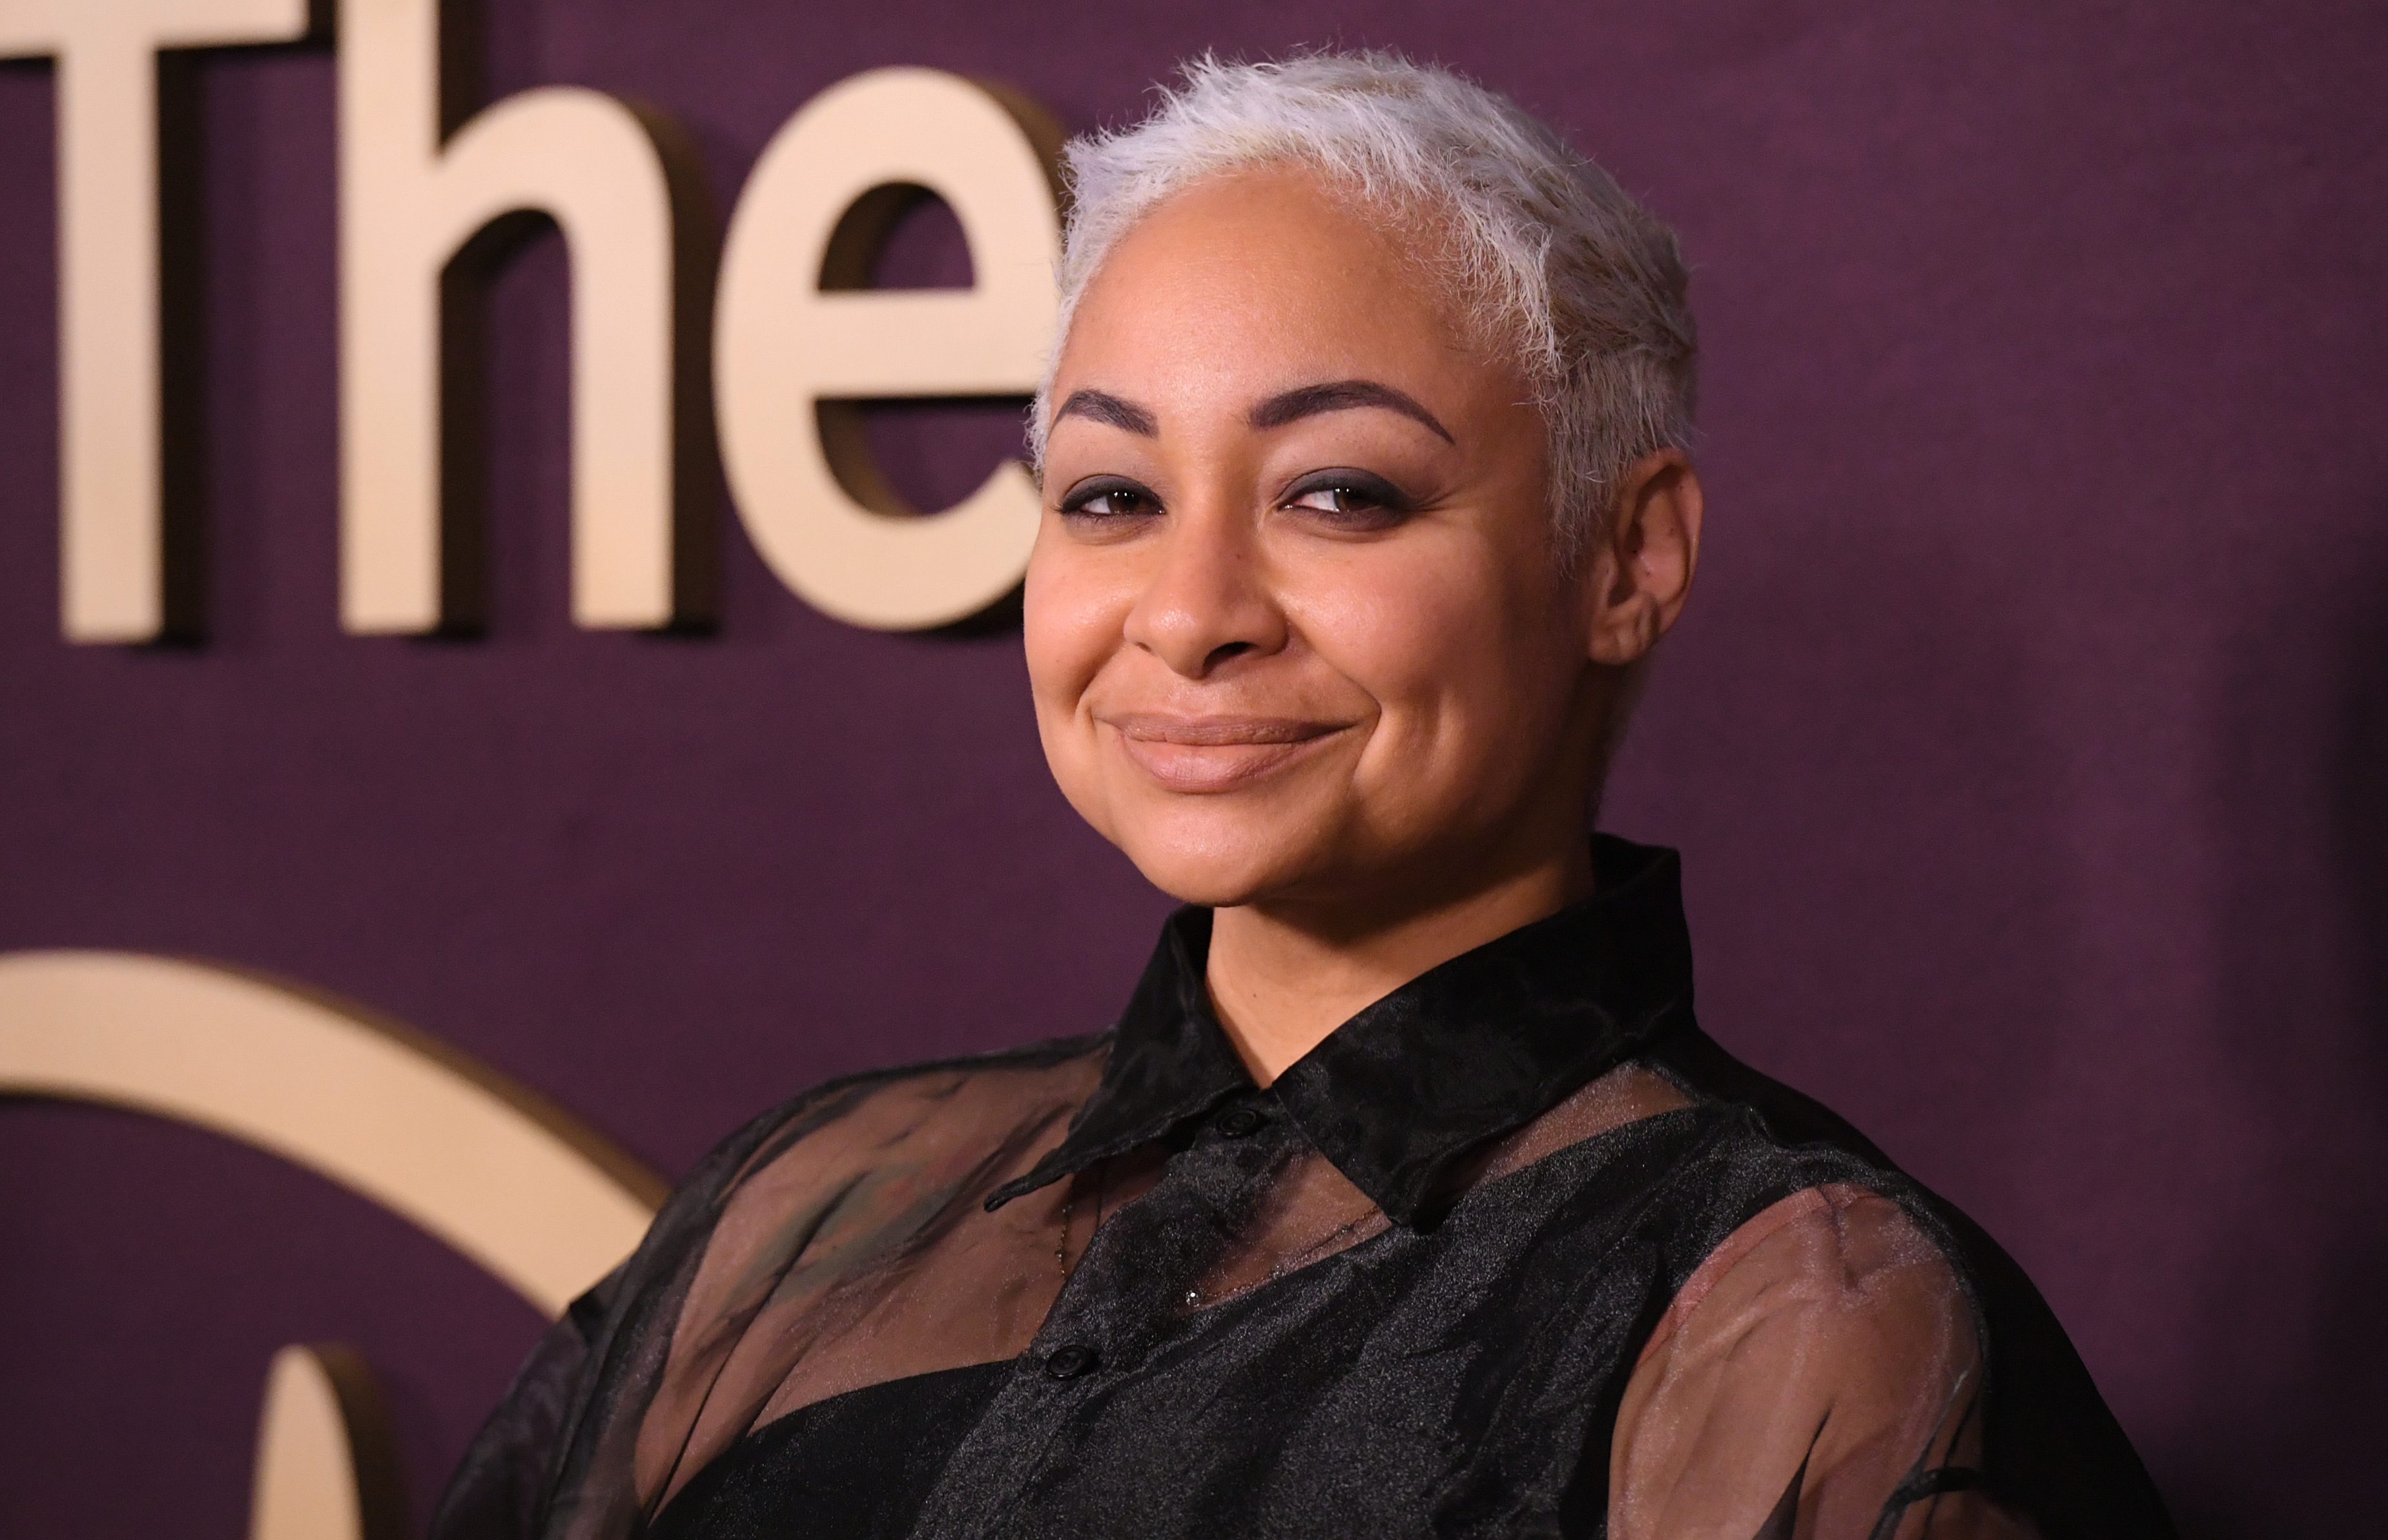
1405 1197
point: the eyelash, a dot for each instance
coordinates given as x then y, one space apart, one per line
1075 503
1380 504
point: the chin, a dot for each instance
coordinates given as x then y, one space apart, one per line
1218 851
1217 868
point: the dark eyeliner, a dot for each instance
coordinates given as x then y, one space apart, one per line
1074 501
1386 499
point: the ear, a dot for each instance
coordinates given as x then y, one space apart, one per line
1642 572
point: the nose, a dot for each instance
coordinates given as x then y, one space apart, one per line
1206 600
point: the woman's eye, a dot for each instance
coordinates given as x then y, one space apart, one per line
1348 498
1335 499
1108 499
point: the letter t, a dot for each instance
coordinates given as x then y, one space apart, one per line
112 547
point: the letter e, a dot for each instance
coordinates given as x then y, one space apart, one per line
783 346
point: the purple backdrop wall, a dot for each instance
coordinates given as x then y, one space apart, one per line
2027 740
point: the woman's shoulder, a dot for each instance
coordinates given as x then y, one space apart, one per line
851 1170
903 1114
1821 1358
856 1143
1886 1310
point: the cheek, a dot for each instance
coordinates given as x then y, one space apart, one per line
1464 661
1413 626
1069 624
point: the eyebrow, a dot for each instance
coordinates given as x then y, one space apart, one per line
1287 406
1342 395
1103 407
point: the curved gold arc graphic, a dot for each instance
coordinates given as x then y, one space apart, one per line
511 1181
502 1175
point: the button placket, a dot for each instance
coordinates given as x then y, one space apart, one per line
1071 1360
1125 1292
1241 1121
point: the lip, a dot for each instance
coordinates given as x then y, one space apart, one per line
1212 754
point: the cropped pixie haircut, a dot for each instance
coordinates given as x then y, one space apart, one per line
1546 255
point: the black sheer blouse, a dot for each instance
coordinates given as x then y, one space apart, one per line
1515 1251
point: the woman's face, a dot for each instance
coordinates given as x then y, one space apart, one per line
1296 626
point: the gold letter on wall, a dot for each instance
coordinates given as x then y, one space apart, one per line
326 1466
113 567
786 353
408 204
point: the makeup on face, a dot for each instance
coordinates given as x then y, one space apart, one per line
1290 619
1211 753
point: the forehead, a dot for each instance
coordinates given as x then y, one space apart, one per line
1257 280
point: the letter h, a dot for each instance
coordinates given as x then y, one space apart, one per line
413 210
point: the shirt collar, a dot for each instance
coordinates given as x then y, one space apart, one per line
1401 1093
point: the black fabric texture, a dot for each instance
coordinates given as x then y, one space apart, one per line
1458 1372
1464 1052
855 1465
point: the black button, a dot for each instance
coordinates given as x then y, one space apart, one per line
1238 1122
1069 1361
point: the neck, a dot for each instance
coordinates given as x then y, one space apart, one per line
1282 976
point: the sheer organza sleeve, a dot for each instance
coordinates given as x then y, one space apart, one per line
496 1492
1818 1376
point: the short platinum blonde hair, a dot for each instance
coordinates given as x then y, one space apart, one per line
1548 258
